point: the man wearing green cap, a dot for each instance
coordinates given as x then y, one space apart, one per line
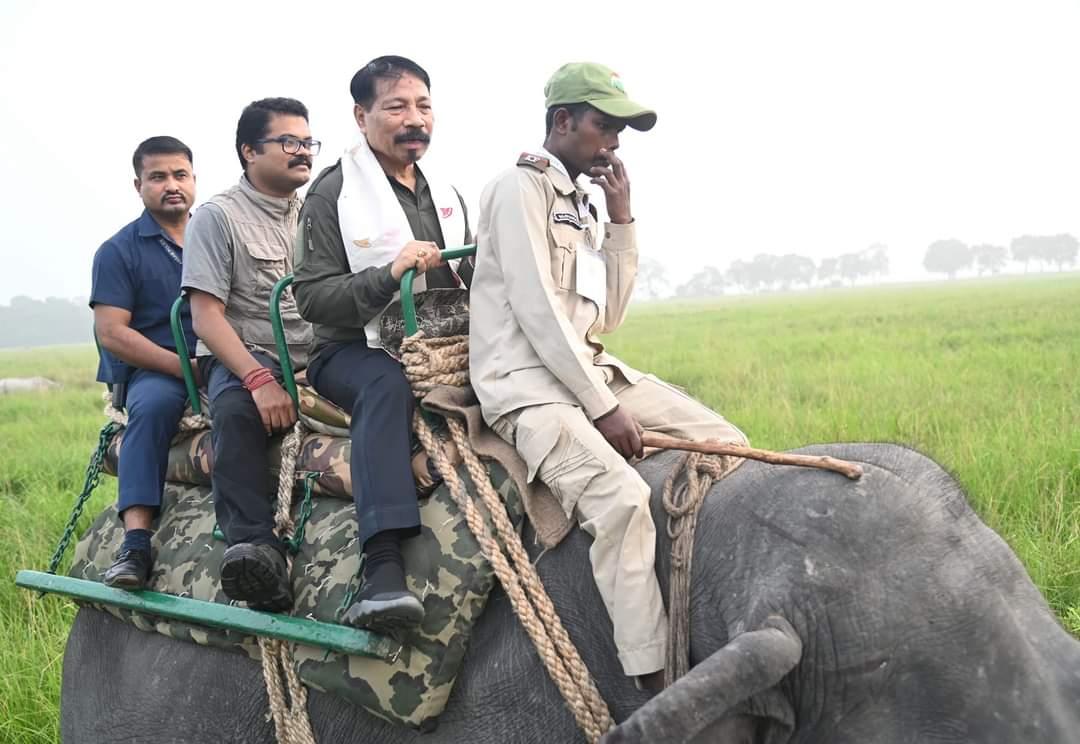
548 281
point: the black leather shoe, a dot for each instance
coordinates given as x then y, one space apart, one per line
258 575
385 612
130 571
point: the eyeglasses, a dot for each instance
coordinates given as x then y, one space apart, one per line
292 145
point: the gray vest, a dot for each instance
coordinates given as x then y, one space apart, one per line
262 230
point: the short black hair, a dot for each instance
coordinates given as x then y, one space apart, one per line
389 67
577 110
160 145
255 121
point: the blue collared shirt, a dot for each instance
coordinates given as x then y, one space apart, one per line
138 269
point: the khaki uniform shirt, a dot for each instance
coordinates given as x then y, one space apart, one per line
533 334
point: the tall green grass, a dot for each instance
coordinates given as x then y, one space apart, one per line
45 442
979 375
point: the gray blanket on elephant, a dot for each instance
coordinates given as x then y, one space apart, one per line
444 564
545 512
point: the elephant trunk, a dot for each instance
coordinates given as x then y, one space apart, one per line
748 664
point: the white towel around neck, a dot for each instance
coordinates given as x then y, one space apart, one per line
373 226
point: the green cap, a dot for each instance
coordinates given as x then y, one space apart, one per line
600 87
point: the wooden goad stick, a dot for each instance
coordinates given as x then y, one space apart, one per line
663 441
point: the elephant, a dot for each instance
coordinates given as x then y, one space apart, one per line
877 611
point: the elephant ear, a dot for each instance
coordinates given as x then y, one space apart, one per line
748 665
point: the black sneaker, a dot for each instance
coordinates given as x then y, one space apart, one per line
258 575
130 570
384 612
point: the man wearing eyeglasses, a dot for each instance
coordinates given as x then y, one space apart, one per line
239 244
367 219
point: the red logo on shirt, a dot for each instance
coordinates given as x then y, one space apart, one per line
446 212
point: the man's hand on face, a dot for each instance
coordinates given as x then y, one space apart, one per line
419 254
621 432
612 178
275 407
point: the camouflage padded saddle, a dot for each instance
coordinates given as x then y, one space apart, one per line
444 565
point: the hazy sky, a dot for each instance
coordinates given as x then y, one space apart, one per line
816 128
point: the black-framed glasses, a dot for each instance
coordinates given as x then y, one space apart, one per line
292 145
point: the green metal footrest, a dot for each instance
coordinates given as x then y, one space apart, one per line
284 627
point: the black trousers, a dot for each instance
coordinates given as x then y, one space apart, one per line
243 493
372 387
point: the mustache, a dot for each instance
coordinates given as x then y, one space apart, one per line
171 195
413 135
300 160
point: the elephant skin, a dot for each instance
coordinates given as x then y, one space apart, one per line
878 611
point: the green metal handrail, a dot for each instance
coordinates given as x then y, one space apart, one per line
284 360
340 638
97 345
408 307
184 353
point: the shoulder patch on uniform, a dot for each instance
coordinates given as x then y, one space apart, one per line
567 218
534 161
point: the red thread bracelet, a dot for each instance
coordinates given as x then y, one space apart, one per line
256 378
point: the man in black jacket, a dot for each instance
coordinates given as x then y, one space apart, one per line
366 220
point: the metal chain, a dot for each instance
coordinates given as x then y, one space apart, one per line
93 476
297 539
352 588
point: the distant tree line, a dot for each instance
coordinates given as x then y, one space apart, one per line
29 322
952 257
768 272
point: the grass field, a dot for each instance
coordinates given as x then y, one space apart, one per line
982 376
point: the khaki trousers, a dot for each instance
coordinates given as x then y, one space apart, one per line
610 500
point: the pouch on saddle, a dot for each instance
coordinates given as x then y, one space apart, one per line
440 312
444 564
